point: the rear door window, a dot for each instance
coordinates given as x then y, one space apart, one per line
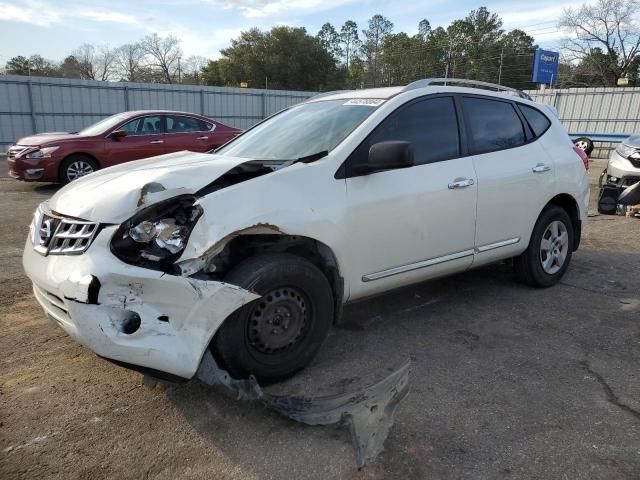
535 118
492 125
182 124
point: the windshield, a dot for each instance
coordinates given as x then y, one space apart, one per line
104 125
302 130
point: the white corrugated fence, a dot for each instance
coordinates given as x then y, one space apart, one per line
38 104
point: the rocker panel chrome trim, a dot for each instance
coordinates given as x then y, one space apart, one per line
417 265
493 246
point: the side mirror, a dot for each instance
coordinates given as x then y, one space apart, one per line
387 155
118 134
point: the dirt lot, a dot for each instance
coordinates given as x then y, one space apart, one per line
506 382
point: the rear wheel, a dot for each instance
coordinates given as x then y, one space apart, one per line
76 166
546 259
281 332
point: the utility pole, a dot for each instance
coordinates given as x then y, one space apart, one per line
179 72
500 71
266 83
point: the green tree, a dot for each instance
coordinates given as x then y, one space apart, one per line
18 66
379 28
424 28
35 65
283 57
517 49
400 58
330 40
350 40
70 68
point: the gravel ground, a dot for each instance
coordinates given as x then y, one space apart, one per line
506 382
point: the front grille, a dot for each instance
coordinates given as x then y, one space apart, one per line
56 235
72 236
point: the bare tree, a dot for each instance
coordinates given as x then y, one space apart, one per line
192 69
129 62
95 63
606 29
164 54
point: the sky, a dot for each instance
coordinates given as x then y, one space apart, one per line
54 28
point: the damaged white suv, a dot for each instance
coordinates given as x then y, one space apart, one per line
252 251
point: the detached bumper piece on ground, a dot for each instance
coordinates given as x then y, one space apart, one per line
368 413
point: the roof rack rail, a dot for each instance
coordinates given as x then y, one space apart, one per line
464 81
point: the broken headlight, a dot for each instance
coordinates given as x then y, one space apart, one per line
156 236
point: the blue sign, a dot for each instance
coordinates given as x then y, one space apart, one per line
545 67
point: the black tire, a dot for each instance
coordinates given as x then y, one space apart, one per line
75 163
585 144
250 343
529 266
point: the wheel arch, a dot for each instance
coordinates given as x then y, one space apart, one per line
569 204
315 251
80 154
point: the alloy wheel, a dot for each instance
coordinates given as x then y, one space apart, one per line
78 169
554 247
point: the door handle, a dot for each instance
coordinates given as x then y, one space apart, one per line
202 138
461 183
156 141
541 167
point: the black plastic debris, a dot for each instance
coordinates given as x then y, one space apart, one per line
368 413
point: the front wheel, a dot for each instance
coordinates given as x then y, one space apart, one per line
76 166
281 332
547 257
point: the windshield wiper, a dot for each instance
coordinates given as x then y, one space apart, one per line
306 159
278 164
312 158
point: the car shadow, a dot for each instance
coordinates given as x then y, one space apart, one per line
46 189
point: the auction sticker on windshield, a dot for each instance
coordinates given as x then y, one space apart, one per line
367 102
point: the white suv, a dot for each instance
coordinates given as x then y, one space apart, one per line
252 251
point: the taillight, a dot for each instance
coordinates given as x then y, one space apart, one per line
583 156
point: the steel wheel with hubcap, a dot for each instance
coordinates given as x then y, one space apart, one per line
548 255
281 332
76 166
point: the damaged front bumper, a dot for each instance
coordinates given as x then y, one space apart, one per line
129 314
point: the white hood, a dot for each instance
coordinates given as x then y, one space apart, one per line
114 194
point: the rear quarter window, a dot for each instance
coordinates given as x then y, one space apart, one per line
537 120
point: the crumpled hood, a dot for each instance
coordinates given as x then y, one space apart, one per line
115 194
45 138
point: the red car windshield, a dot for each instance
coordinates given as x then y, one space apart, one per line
104 125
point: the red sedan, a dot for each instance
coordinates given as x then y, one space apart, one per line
63 157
